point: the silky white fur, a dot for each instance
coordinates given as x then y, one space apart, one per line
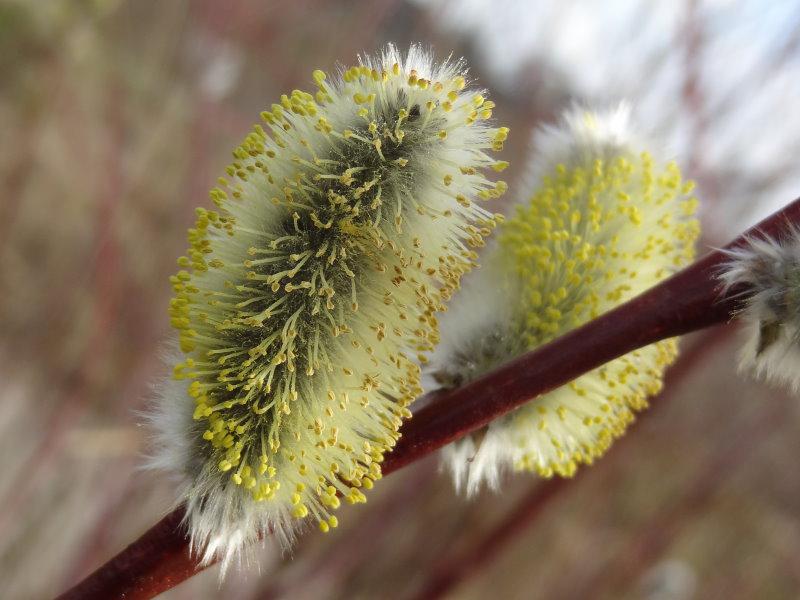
768 272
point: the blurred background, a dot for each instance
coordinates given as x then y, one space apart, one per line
116 118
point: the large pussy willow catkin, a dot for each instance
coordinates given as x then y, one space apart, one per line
309 295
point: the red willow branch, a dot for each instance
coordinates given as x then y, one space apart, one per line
688 301
473 560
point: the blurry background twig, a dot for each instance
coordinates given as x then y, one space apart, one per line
118 115
452 570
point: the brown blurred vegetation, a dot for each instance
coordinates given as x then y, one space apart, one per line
117 116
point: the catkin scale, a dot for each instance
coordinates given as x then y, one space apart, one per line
310 295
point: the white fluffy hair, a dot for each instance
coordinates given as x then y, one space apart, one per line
222 522
581 136
768 271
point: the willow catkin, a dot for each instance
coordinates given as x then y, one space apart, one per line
309 295
604 221
767 269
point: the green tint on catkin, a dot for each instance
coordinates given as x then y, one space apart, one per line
310 293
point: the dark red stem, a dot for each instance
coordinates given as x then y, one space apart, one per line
156 562
688 301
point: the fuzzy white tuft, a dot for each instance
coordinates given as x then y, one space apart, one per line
769 272
606 221
580 137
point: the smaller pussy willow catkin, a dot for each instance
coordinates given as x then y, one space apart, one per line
606 220
768 270
309 295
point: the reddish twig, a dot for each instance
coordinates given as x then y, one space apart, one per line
692 90
688 301
156 562
469 562
106 299
655 537
344 556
